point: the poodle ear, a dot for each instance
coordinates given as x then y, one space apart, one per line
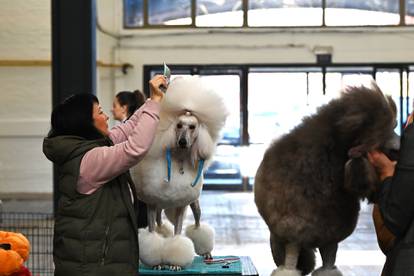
168 136
352 121
360 177
391 104
203 147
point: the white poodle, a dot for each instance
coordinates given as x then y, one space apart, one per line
171 175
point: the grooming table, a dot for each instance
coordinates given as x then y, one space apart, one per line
242 266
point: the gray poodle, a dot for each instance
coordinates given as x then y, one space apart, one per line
310 182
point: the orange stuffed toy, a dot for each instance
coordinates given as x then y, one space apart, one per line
14 251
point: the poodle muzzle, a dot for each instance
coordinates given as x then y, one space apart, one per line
183 140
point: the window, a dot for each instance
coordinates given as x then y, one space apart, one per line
338 78
285 13
225 168
278 99
169 12
219 13
362 13
133 13
266 13
389 80
409 12
410 90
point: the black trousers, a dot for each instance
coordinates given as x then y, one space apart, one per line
142 218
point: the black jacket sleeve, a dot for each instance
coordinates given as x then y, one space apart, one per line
396 194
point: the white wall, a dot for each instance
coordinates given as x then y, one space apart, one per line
25 33
260 45
265 46
106 53
26 93
25 96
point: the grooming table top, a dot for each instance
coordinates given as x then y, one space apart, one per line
242 266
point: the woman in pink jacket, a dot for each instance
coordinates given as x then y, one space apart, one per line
95 225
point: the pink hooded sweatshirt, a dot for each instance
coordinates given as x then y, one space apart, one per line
132 140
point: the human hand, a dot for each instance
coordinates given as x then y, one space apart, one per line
384 166
155 83
409 119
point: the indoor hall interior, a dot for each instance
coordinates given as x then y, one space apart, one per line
273 64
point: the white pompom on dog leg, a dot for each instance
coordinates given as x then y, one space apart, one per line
282 271
150 248
166 229
178 251
202 237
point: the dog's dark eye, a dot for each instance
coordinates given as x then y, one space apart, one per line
192 126
179 125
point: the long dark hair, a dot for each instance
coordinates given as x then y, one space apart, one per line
133 100
74 117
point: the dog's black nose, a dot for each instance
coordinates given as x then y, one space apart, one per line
182 142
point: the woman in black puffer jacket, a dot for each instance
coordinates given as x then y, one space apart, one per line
396 203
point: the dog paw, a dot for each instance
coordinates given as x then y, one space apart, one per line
207 256
175 268
157 267
322 271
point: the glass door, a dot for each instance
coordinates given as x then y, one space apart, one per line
278 99
395 82
224 171
410 89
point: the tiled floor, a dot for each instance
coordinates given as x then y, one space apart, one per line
241 231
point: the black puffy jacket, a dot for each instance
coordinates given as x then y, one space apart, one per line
96 234
396 203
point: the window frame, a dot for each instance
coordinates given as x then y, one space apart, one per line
245 9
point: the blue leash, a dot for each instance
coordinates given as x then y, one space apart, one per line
199 172
168 156
199 169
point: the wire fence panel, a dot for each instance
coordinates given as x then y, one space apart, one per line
38 229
